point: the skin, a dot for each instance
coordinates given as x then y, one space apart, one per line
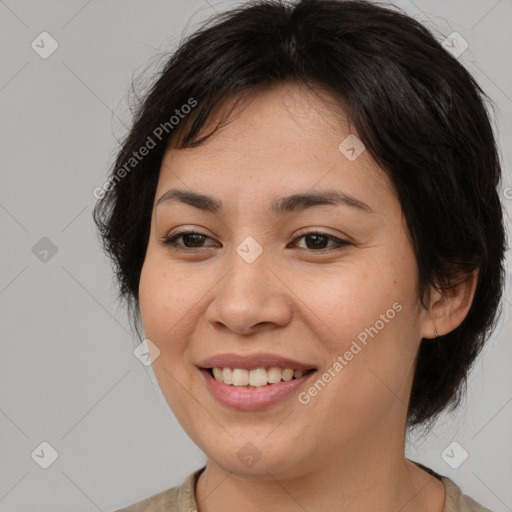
344 450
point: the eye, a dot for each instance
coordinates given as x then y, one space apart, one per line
193 240
318 241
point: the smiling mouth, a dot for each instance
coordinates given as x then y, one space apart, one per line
256 378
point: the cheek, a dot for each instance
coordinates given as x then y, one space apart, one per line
163 302
163 308
151 290
351 297
368 312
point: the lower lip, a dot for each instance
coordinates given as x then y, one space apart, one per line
252 399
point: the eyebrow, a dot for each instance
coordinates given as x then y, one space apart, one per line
280 206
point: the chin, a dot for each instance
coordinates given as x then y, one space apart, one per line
264 463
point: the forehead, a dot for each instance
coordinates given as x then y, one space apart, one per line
279 117
283 137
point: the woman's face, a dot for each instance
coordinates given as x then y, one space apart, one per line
258 282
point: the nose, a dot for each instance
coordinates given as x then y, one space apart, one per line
250 297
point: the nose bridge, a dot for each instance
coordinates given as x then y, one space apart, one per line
247 295
247 272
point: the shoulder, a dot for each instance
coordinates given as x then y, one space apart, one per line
166 500
176 499
456 501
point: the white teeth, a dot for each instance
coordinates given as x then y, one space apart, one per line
287 374
257 377
240 377
274 375
226 376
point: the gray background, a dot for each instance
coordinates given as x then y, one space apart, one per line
68 375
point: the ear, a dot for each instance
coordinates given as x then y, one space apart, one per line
449 307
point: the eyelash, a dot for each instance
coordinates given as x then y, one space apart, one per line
171 241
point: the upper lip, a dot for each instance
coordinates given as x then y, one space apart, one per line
253 361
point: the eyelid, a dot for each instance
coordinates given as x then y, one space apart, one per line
317 231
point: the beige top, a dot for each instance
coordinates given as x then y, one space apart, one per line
182 499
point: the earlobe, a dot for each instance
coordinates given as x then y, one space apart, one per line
450 306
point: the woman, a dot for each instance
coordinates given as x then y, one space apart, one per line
305 219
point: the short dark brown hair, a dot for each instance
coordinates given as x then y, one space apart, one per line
418 111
